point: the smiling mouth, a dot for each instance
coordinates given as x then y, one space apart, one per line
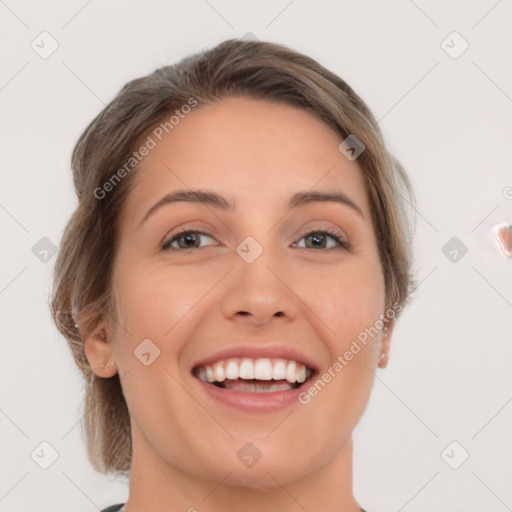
261 375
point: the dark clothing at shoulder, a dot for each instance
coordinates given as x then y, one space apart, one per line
113 508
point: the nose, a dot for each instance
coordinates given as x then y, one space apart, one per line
259 292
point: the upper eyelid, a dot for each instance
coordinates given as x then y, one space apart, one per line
208 232
330 225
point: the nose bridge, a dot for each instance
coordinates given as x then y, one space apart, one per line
257 286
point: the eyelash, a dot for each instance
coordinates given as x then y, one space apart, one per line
342 243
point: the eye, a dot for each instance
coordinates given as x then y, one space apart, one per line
319 238
191 240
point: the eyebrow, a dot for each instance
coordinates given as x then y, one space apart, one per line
219 202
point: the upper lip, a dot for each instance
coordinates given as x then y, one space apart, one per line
256 352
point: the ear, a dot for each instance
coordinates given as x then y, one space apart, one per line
389 324
96 332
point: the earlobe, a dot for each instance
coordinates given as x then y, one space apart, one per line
385 343
383 359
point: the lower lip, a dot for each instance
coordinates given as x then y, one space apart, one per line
252 402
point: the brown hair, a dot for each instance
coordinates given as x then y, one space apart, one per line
261 70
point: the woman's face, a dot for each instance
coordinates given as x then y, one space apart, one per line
253 287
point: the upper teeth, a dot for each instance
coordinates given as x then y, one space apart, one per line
260 369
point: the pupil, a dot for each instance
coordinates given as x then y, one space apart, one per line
188 238
317 237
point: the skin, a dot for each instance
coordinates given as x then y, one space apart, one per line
195 302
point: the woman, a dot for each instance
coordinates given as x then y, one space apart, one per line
230 281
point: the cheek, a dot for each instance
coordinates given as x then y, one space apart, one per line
153 298
157 303
348 299
349 303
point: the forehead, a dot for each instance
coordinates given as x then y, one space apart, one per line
249 151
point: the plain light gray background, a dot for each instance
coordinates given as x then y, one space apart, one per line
447 119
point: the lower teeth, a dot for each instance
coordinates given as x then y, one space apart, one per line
255 387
